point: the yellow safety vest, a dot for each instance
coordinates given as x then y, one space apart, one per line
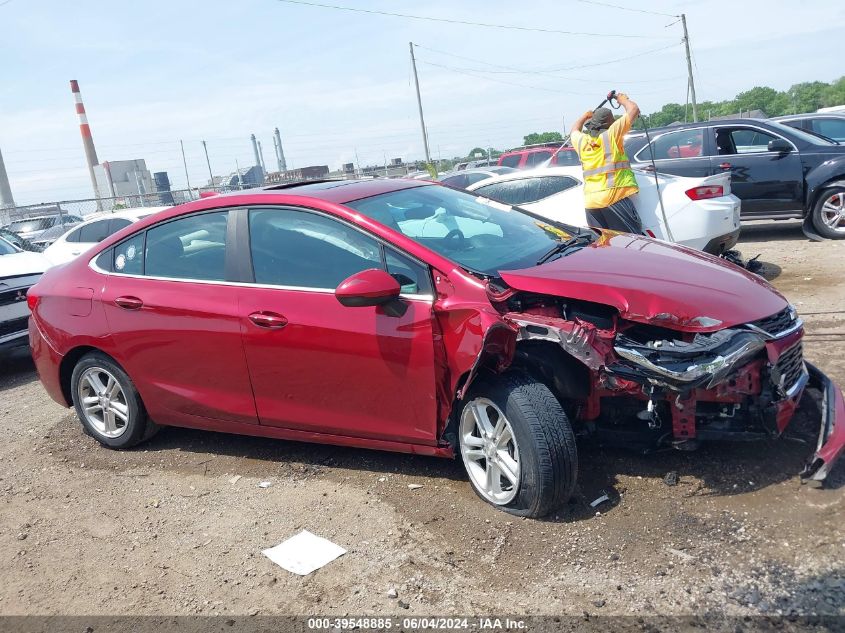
605 165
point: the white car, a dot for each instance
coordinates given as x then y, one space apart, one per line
93 231
19 270
702 213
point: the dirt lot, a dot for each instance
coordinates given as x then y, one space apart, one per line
163 530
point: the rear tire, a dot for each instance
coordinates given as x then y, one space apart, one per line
829 213
517 445
108 404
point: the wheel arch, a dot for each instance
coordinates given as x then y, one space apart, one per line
816 189
69 362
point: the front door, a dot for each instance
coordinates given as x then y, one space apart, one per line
175 323
768 183
321 367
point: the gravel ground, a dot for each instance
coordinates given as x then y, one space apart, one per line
168 529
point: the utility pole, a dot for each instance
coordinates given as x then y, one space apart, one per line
185 163
6 200
238 172
689 69
419 104
208 162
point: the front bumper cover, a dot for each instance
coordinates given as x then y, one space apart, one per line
831 440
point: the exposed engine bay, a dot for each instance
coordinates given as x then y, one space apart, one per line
647 385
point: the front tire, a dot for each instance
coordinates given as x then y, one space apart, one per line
517 445
829 213
107 403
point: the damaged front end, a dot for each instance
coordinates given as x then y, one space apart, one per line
648 382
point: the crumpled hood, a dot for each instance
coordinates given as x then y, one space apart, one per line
24 263
655 282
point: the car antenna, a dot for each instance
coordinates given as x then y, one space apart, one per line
656 181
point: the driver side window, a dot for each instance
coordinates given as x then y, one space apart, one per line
307 250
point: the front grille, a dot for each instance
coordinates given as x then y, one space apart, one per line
13 326
16 295
790 367
777 323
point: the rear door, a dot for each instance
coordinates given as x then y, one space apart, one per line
172 313
768 183
318 366
681 152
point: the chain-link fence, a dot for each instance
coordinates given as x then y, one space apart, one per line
83 208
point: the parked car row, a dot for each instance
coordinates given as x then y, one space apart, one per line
700 213
22 262
408 316
777 171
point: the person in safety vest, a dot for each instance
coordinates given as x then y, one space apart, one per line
609 182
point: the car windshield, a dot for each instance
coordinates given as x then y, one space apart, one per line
479 234
6 248
26 226
807 137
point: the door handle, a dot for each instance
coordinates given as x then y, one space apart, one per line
75 252
129 303
649 168
269 320
724 165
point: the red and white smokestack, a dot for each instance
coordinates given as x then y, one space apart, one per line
87 139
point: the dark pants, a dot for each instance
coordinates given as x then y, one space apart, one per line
620 216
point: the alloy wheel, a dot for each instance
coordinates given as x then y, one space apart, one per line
833 212
103 401
490 451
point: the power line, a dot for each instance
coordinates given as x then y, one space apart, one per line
502 81
616 6
543 73
465 22
618 59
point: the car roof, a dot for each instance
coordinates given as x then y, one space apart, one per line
294 194
573 171
337 191
131 213
544 148
809 115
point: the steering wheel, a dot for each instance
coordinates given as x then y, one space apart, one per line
456 233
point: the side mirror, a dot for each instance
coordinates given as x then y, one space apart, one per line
780 145
372 287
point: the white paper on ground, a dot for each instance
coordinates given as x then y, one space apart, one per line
303 553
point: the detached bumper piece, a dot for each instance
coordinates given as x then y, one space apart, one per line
831 431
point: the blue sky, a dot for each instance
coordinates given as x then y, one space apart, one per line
337 82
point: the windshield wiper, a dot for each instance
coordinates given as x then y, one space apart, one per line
582 239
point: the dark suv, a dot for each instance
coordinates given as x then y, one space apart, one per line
777 171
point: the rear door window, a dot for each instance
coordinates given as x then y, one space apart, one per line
680 144
193 247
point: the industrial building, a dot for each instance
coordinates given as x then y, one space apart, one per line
313 172
122 178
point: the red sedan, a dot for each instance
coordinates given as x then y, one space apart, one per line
403 315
